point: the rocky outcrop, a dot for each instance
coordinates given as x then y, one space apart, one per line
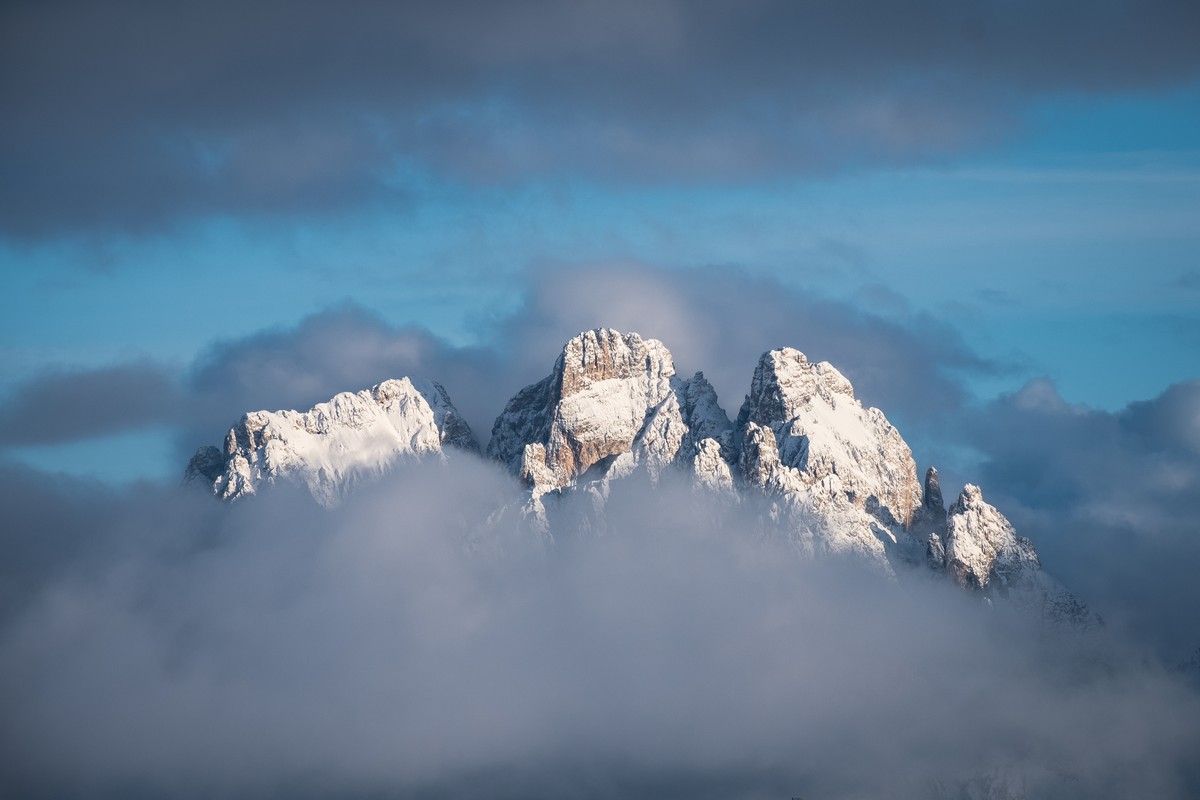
612 405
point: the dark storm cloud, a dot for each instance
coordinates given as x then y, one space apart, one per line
173 646
1109 498
129 115
65 406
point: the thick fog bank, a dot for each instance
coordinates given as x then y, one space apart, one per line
154 642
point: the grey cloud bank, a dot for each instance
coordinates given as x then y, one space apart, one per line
273 647
129 117
1110 498
66 405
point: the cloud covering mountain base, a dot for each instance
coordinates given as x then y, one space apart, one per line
161 644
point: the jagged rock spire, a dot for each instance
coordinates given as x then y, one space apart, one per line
932 501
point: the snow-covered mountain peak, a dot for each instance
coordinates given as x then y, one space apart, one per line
981 545
824 435
612 404
605 354
334 444
785 381
971 496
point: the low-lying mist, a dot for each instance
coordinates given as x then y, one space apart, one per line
157 643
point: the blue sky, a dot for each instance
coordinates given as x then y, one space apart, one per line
1043 205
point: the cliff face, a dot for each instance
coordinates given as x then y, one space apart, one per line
611 405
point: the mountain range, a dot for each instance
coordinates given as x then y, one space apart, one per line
832 477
